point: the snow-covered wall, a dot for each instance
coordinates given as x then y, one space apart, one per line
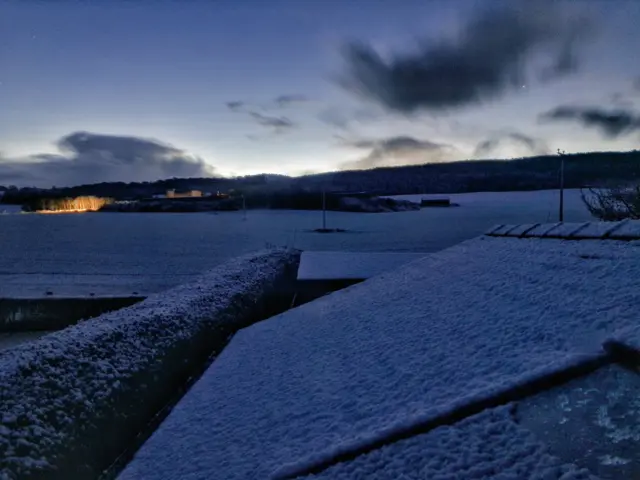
70 401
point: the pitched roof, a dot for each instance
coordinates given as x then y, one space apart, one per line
370 364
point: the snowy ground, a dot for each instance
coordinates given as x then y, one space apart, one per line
364 364
119 254
350 265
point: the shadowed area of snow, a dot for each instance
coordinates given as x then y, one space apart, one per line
71 394
399 349
629 337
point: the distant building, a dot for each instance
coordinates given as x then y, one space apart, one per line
188 194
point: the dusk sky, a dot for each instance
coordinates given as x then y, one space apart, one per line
139 90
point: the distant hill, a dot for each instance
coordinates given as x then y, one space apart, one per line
533 173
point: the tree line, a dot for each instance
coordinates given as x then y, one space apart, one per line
599 169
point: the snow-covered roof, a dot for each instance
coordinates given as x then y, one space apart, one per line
83 375
350 265
479 447
622 230
367 365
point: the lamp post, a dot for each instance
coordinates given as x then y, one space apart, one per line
562 154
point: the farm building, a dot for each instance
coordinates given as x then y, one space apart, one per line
188 194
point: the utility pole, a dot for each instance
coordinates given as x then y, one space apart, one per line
562 154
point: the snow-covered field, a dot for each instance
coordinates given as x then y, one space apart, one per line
119 254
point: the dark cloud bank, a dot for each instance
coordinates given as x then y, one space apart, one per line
497 51
611 123
91 158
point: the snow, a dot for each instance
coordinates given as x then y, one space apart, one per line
15 338
597 230
629 336
117 254
494 229
623 230
628 230
480 447
79 375
350 265
499 229
521 229
543 229
400 349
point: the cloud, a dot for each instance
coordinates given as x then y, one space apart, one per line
279 102
92 158
396 151
334 117
612 123
278 124
620 100
344 119
489 58
235 105
532 145
636 84
287 100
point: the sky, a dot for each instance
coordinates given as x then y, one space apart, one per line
129 90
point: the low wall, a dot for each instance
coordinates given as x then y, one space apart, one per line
30 314
73 400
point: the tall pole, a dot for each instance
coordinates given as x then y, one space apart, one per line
324 209
561 206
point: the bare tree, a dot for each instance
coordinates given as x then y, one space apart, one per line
612 203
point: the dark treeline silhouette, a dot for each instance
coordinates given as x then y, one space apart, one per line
533 173
278 191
